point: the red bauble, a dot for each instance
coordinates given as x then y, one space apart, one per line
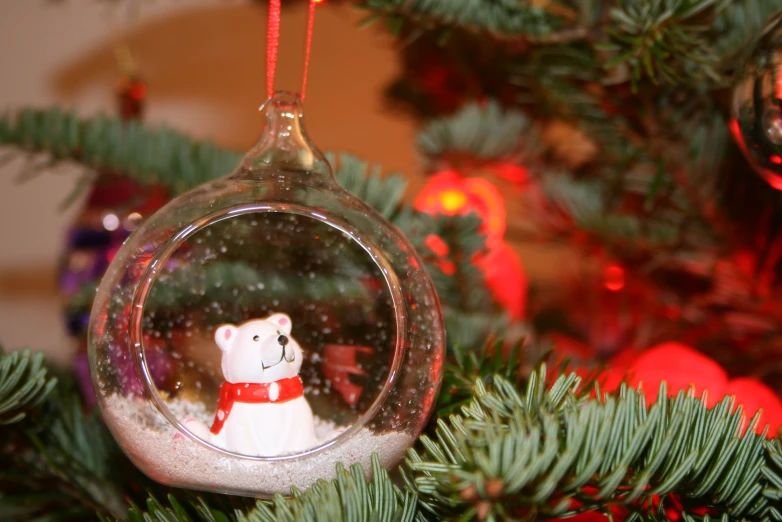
682 367
754 395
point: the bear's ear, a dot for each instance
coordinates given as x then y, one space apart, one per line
225 335
282 321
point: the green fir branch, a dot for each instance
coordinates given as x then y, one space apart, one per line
349 497
172 160
61 463
24 384
162 156
465 366
554 451
365 181
664 41
477 132
237 283
500 18
543 449
466 288
738 26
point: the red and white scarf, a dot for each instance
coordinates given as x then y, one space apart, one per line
254 393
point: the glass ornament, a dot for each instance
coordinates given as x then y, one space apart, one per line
757 104
302 328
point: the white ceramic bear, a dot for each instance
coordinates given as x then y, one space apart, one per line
262 410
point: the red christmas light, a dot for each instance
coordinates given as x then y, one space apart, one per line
614 276
450 193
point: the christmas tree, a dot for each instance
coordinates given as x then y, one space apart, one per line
642 135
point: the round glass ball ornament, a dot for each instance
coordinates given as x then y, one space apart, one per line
301 327
757 104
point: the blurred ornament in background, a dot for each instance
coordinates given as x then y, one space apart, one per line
756 122
131 93
682 368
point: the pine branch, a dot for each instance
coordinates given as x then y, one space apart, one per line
24 384
549 451
504 19
465 366
236 282
159 156
554 451
348 497
382 193
737 26
664 41
162 156
477 132
59 463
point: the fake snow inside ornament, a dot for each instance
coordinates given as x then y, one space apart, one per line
757 104
274 282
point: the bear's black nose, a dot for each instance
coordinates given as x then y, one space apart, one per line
282 340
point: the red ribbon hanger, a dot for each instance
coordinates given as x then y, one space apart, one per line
273 43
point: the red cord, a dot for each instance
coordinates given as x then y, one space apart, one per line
273 43
308 46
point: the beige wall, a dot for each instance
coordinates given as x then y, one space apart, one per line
204 62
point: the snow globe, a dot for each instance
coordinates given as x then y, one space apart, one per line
262 328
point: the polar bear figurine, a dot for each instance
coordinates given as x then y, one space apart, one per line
262 410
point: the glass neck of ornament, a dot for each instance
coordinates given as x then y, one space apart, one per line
284 146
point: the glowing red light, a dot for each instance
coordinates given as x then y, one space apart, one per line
437 245
776 159
318 1
614 278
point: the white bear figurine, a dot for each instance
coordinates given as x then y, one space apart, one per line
262 410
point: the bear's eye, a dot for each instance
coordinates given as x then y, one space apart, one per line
256 338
